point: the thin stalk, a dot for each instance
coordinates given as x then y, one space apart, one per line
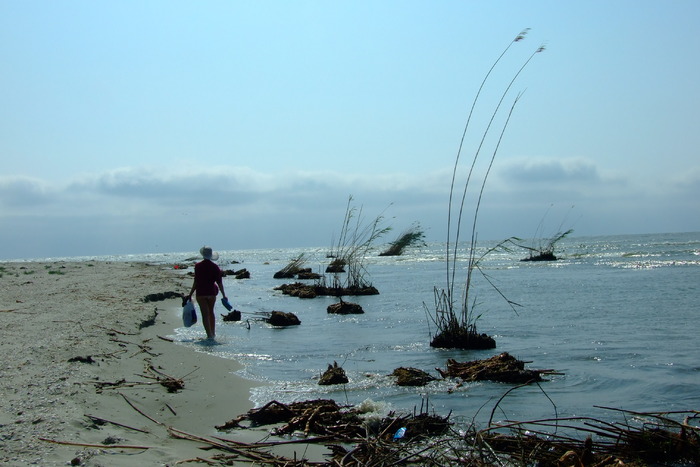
472 246
450 283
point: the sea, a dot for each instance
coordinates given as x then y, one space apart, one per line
616 317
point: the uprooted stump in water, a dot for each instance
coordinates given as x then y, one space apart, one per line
544 256
345 308
502 368
407 376
308 274
240 274
233 315
333 375
280 318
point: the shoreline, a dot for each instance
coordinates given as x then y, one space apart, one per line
109 400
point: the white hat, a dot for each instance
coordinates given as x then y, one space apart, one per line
208 253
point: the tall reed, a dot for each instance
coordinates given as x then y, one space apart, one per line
457 327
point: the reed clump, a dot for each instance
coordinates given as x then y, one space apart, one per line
356 239
412 236
456 319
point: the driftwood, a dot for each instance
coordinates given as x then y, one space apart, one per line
503 368
170 383
101 446
646 438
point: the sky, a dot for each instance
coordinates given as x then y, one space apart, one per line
160 126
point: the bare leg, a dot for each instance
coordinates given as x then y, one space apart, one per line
206 306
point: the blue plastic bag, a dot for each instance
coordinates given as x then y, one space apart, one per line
189 314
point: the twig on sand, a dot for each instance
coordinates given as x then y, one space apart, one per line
102 421
115 331
249 451
101 446
139 411
144 348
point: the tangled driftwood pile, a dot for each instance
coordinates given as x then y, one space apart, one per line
644 438
651 438
503 368
324 417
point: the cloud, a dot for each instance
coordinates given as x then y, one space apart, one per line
23 193
548 170
144 209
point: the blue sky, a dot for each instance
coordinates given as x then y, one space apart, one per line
134 127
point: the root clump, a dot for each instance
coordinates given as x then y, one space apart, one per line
301 290
411 377
333 375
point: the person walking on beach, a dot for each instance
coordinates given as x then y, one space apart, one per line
207 276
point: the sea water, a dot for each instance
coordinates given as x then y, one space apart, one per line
616 316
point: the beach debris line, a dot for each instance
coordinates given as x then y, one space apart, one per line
323 417
644 438
503 368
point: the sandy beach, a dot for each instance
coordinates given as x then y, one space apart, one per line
83 358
